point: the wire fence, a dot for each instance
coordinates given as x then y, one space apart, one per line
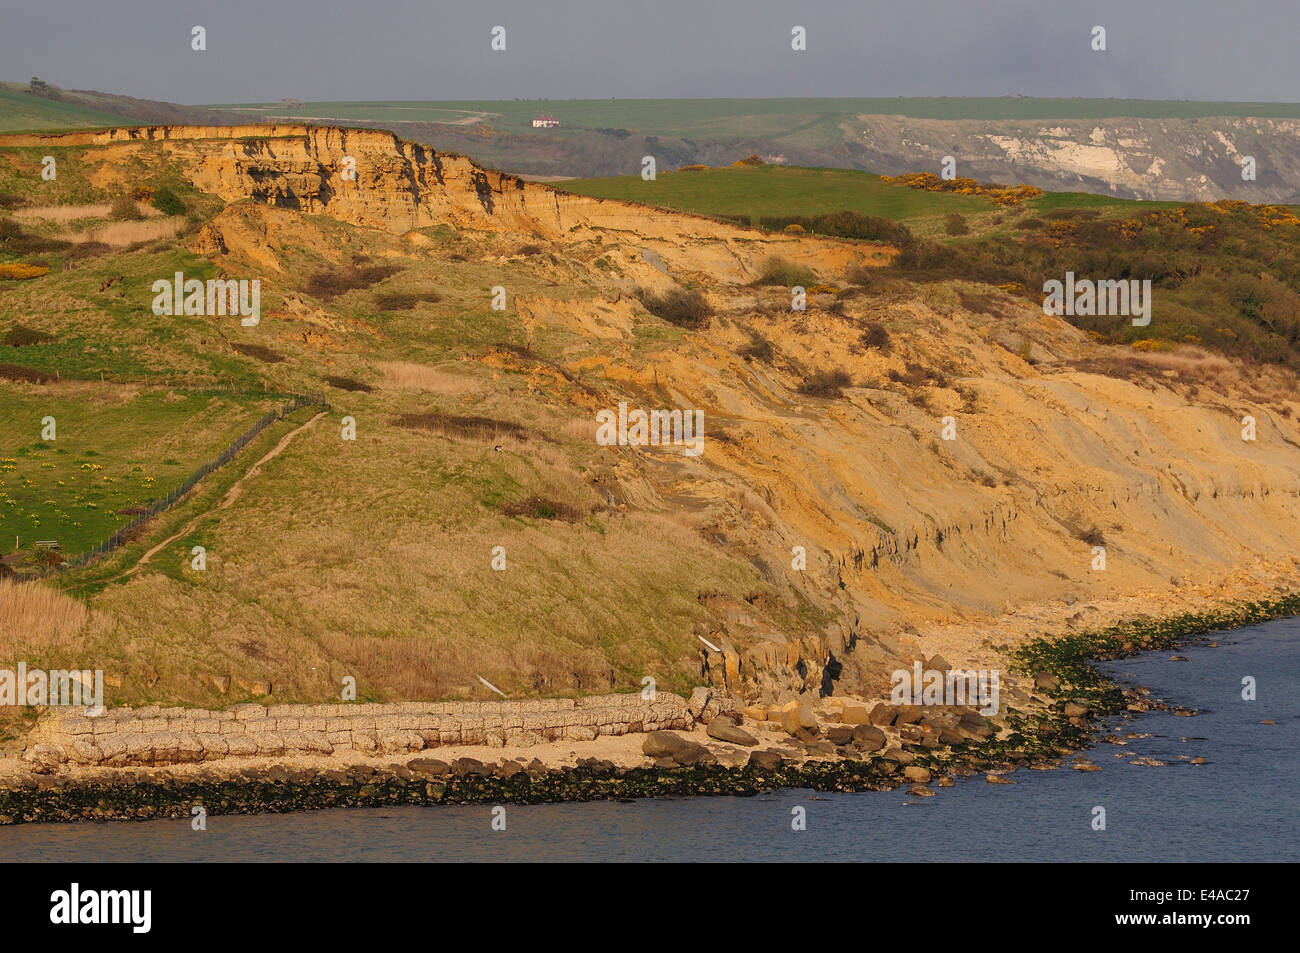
158 506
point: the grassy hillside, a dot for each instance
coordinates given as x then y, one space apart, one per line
475 432
23 112
116 450
753 192
1224 274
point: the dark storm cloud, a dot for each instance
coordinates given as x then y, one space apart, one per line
401 49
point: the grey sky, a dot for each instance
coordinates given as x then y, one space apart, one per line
422 49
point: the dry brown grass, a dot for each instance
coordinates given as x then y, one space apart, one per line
121 234
1187 361
466 427
63 214
406 375
34 616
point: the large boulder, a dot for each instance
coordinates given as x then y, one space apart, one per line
724 729
428 766
868 737
855 713
883 714
839 734
909 714
659 744
692 753
795 716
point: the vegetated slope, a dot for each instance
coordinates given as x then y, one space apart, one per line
754 192
60 108
475 527
20 110
1223 274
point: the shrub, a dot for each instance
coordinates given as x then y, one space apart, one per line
16 372
778 271
403 300
686 308
916 375
842 225
167 202
1093 536
759 348
469 426
980 302
877 337
124 209
16 241
261 353
858 275
954 223
17 271
826 383
347 383
535 507
20 336
920 255
332 283
87 250
45 557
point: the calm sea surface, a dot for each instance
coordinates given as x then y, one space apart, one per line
1242 805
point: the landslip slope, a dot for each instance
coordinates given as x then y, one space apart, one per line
686 567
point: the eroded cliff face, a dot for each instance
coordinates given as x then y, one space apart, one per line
972 470
373 179
907 532
1198 160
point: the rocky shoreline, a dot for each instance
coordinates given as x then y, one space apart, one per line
894 746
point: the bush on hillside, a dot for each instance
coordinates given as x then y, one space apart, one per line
876 337
124 209
167 202
778 271
686 308
826 383
333 282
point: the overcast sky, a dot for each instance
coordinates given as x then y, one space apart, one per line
261 50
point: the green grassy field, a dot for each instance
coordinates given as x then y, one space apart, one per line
115 450
757 191
22 112
770 190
